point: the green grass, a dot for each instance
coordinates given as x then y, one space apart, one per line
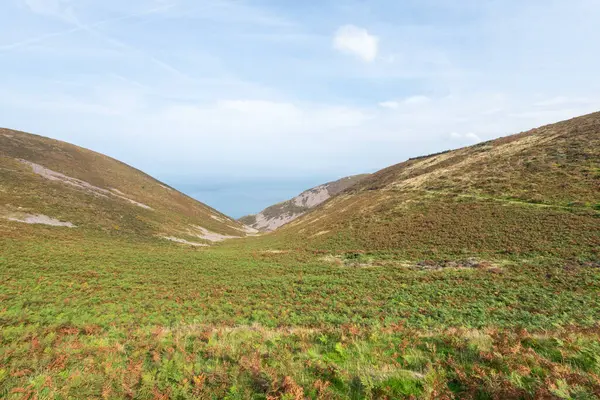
110 318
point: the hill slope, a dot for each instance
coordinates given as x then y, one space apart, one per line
280 214
91 312
537 191
51 183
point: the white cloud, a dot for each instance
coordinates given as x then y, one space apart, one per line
414 100
409 101
469 136
562 101
393 105
258 107
350 39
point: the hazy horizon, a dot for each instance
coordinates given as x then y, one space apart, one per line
237 198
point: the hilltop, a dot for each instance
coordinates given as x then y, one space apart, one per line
536 191
50 183
282 213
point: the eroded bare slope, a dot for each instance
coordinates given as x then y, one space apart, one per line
280 214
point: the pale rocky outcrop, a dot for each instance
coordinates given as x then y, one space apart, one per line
280 214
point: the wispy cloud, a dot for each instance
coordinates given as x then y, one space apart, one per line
131 49
56 8
68 15
41 38
410 101
559 101
393 105
419 99
469 137
236 12
66 12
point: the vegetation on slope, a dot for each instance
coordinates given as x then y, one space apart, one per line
535 192
105 318
41 176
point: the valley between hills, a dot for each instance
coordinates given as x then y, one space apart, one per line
468 274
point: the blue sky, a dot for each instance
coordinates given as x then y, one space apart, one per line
243 103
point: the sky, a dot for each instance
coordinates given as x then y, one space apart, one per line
243 103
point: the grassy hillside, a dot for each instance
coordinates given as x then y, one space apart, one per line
48 180
534 192
472 274
282 213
